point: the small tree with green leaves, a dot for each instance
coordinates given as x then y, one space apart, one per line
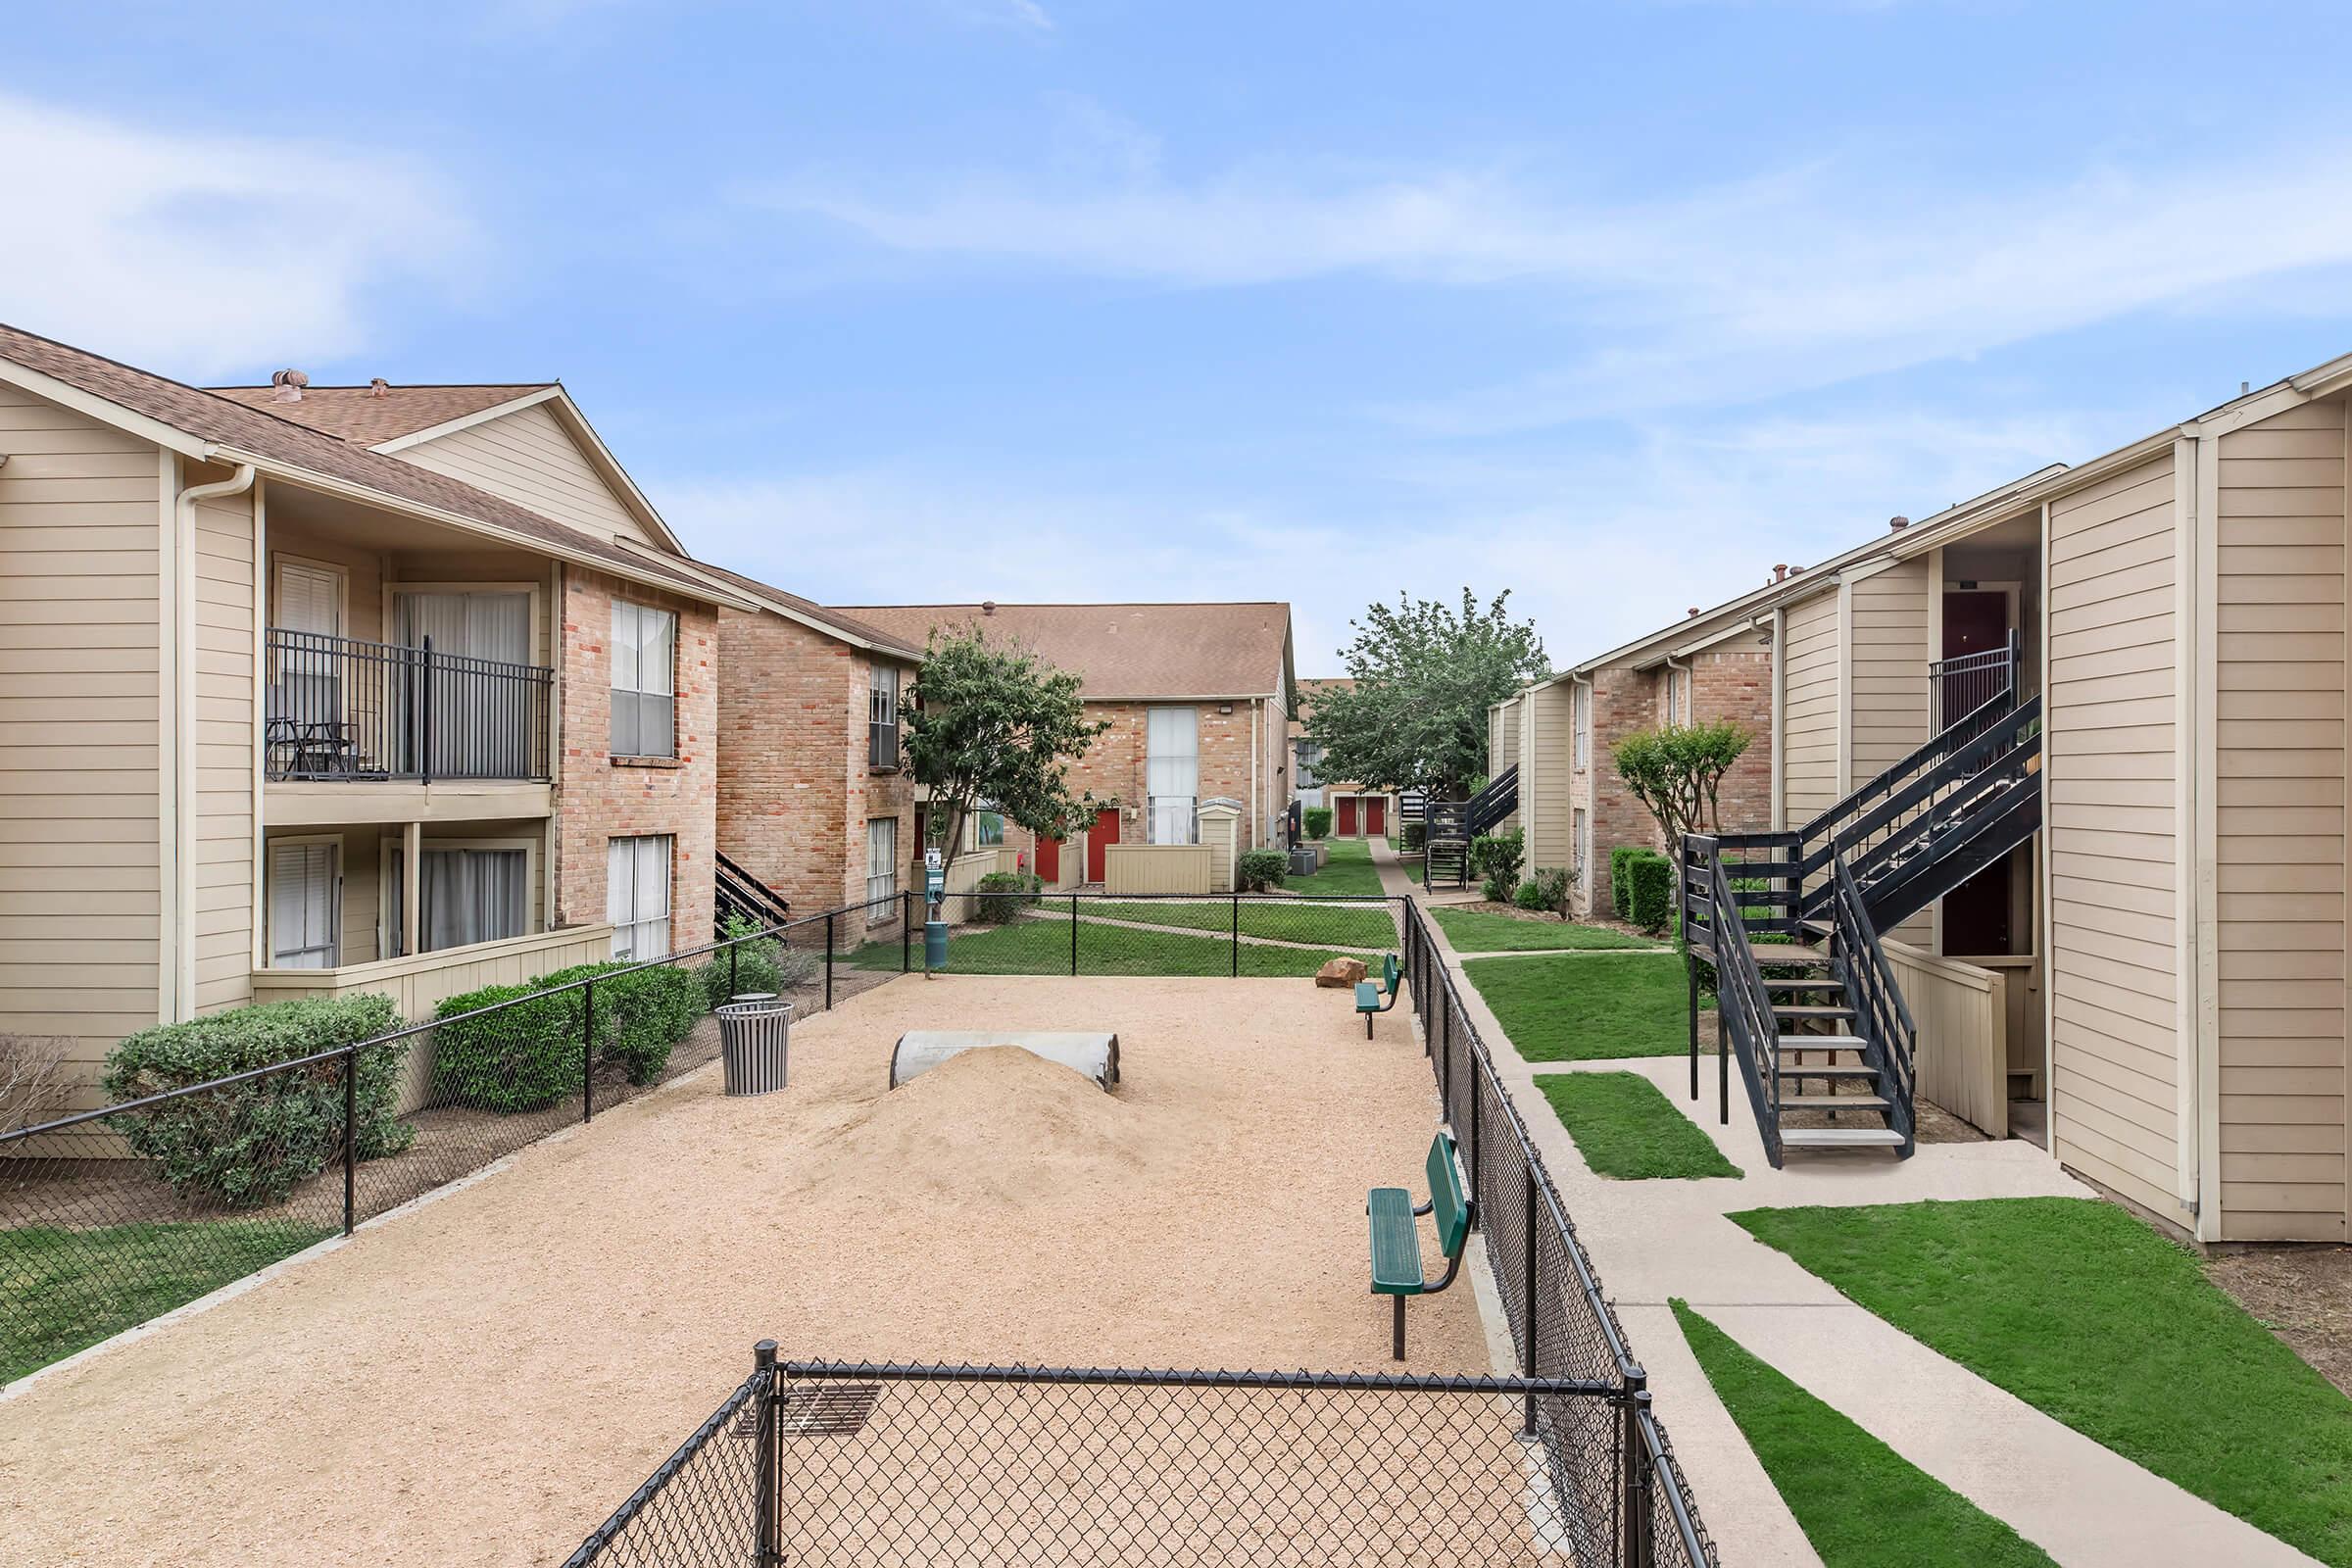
991 726
1676 772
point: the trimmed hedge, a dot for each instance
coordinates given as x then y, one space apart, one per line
1495 857
530 1053
1621 893
255 1142
1255 871
1318 821
642 1011
1416 836
1650 889
1004 895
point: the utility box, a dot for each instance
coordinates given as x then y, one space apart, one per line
1220 820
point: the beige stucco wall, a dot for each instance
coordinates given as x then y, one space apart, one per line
2279 611
2111 833
81 893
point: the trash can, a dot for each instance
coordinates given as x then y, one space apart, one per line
755 1036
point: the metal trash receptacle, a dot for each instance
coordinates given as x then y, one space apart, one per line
755 1041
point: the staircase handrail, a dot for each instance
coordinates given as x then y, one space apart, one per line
759 901
1884 1019
1988 759
1715 921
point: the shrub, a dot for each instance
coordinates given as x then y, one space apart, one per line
1259 869
254 1142
642 1011
1318 821
1416 836
1004 895
1621 893
1551 884
524 1055
1495 857
762 965
1650 880
1529 896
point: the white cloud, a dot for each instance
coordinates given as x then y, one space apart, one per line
1597 547
209 252
1025 16
1799 278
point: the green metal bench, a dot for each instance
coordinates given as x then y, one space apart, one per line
1397 1239
1368 993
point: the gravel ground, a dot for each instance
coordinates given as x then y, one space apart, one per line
483 1380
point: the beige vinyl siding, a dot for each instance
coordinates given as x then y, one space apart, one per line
1502 735
2111 832
224 751
1809 717
530 460
2279 800
1890 668
1544 748
81 702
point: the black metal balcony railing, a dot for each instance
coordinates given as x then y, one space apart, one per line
344 709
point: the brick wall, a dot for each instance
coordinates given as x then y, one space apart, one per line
1113 767
797 787
597 801
1735 682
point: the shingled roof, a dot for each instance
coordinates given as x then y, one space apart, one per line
1124 651
370 417
826 618
242 433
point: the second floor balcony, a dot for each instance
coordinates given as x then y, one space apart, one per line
340 710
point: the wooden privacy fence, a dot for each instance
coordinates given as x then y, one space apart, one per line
1962 1012
1131 868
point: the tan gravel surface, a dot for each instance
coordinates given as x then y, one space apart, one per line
483 1380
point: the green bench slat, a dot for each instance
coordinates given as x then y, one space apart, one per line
1367 996
1395 1248
1449 1206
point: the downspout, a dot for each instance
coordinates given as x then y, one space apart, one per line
1576 846
1693 688
183 707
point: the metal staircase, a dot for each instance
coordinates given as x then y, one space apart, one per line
1448 827
740 893
1788 922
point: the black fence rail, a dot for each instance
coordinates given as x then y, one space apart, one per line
341 709
1152 935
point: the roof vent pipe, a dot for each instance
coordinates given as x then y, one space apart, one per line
1779 573
289 384
988 607
1897 524
1692 610
378 387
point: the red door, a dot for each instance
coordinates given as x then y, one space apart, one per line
1346 824
1049 861
1376 816
1103 833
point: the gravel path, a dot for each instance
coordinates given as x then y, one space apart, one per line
482 1380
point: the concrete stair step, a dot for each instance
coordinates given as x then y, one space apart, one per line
1840 1137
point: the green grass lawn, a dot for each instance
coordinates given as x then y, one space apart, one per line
62 1291
1350 870
2088 1315
1482 931
1043 946
1590 1006
1859 1502
1416 870
1361 926
1627 1130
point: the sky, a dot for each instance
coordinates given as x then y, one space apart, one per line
1613 304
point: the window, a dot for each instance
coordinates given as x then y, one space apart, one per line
464 893
1172 773
306 887
987 829
1310 756
637 896
1581 726
1580 840
882 717
478 727
645 701
881 867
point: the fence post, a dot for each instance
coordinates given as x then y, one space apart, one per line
1527 1285
1690 986
1073 936
828 961
1237 936
351 1113
1634 1531
907 931
733 949
765 1513
1478 1144
588 1051
424 725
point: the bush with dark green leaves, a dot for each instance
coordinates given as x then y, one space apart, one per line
1649 884
1004 895
524 1052
753 962
254 1142
1621 892
1259 870
1529 896
1495 857
1546 890
642 1011
1416 836
1318 821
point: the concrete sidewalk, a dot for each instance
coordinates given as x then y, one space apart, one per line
1650 1241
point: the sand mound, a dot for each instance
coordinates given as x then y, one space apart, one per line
998 1120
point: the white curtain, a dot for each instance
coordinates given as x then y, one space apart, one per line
644 681
308 688
463 897
480 719
303 905
637 896
1172 773
881 862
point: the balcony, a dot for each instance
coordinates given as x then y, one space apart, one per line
341 710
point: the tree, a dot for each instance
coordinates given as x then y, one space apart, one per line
1425 675
1676 772
991 726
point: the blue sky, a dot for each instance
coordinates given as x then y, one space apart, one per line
1611 304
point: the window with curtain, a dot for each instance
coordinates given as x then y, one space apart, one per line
304 906
1172 773
478 718
881 866
987 829
1580 725
463 895
645 644
882 717
306 683
637 896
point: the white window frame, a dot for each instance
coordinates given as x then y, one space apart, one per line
1580 699
1189 826
646 616
334 945
633 927
281 560
389 921
883 883
971 830
882 715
